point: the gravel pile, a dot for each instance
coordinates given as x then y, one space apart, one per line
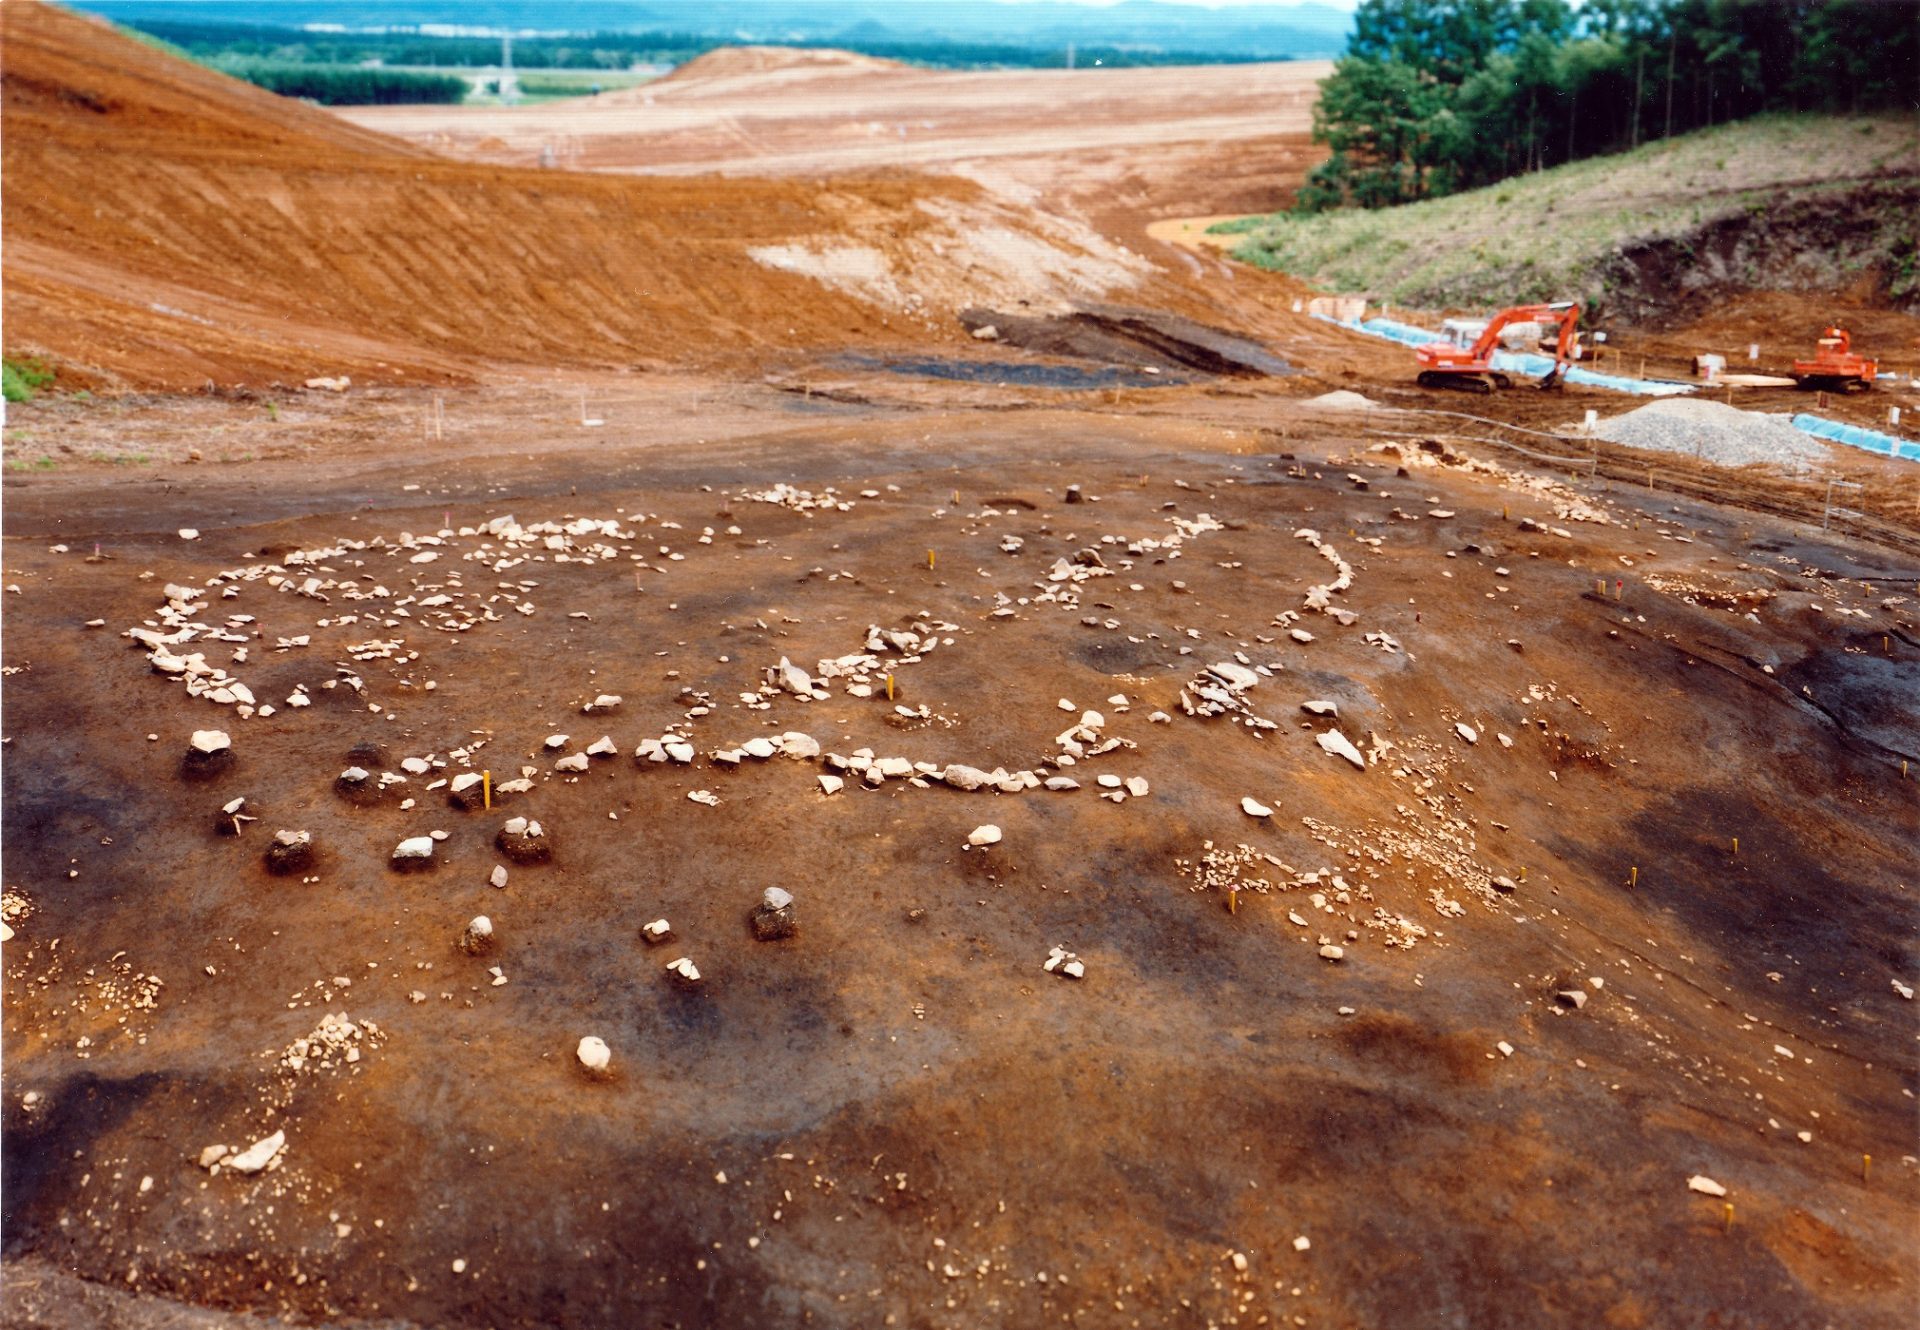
1714 432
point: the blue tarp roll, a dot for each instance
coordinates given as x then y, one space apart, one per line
1854 436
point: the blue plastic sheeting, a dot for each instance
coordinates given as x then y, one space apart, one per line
1833 431
1531 366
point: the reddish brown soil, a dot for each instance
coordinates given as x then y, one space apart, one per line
1199 1094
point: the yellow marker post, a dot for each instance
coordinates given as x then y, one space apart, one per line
889 688
1729 1227
486 789
1736 845
1233 901
929 560
1633 876
1866 1167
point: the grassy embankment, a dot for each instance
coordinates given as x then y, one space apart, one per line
1835 193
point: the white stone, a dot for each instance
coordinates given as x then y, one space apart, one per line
1320 707
776 898
1330 952
1300 635
832 784
258 1155
604 702
594 1054
558 740
210 741
498 877
414 847
189 533
1137 786
987 834
1254 808
574 762
1340 746
1467 732
1301 1244
1705 1185
602 747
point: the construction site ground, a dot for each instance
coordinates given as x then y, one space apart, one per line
1627 725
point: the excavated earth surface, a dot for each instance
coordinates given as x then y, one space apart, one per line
1654 744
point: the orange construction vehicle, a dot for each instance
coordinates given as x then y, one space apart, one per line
1835 367
1470 368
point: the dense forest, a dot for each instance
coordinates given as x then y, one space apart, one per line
1434 96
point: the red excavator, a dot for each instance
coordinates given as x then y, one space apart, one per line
1470 368
1835 367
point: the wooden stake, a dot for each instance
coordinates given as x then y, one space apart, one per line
1633 876
1736 845
1729 1227
1866 1167
486 789
1233 900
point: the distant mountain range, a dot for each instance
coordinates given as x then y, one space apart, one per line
1305 30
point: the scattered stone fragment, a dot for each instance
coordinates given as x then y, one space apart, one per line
707 797
498 878
413 852
1505 886
477 939
604 702
1467 732
524 841
1064 963
258 1155
1340 746
1506 1049
683 971
468 790
572 762
212 1155
1254 808
1572 997
987 834
208 750
1904 990
657 932
232 817
594 1055
1137 786
1301 1244
1332 952
290 852
1705 1185
357 786
772 918
1321 707
1062 783
831 784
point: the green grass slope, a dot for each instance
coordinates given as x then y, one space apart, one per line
1805 202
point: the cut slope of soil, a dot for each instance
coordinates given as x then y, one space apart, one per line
182 228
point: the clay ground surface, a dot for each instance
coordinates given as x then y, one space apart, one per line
913 1120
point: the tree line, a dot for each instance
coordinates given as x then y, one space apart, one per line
1434 96
227 44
